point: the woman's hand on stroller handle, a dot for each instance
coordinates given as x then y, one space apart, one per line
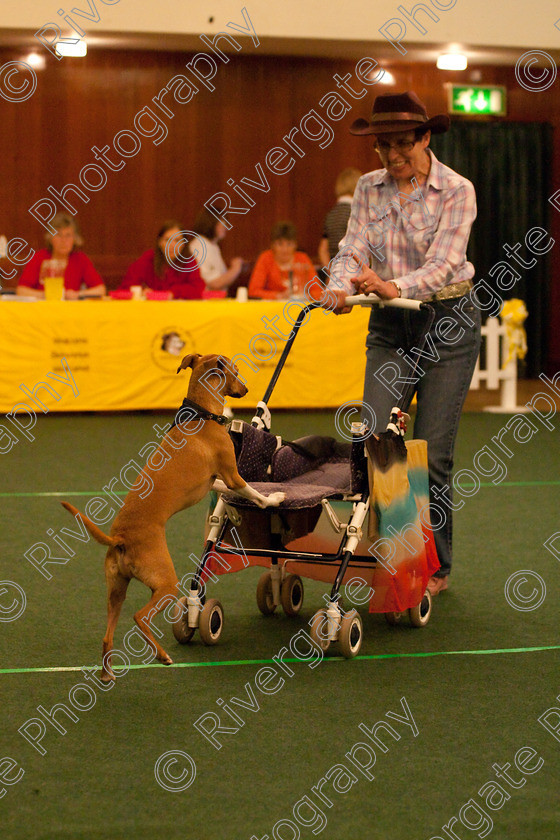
368 281
341 307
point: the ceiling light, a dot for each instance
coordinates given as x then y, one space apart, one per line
452 61
73 47
387 78
38 62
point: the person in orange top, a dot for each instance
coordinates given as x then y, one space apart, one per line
282 272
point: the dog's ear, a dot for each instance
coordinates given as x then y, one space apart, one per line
224 363
188 361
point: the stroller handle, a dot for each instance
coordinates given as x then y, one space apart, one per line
373 300
259 419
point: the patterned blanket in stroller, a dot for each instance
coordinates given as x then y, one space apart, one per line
392 562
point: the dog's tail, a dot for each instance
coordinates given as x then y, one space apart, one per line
95 532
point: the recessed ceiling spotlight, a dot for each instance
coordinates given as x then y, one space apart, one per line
387 78
452 61
78 49
38 62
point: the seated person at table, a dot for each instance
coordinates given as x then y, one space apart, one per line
78 270
172 273
205 248
282 271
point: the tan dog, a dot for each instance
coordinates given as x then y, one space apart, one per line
181 472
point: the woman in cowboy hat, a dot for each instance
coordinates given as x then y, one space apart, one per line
407 234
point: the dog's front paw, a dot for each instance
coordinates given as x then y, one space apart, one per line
275 499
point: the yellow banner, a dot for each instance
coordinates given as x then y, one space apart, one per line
124 354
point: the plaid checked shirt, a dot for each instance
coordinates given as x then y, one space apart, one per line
421 244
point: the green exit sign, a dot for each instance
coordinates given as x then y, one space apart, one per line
477 99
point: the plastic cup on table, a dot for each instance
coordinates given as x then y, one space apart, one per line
288 282
52 276
301 275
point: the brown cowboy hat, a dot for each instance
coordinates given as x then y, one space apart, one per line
399 112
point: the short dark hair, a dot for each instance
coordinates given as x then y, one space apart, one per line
419 133
168 225
283 230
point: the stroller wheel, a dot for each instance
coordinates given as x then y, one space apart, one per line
393 618
291 594
420 615
211 621
350 634
319 630
265 598
181 630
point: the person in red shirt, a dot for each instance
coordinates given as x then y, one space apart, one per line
281 272
176 273
78 269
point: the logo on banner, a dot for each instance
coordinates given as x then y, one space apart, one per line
169 346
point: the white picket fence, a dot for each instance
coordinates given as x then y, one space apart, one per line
494 375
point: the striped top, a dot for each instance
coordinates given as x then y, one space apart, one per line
420 241
336 221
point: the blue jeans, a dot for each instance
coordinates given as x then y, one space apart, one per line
441 384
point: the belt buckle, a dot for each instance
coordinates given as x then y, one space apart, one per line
456 290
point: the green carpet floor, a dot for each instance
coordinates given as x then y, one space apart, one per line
475 680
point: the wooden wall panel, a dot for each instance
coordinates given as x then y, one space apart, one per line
216 136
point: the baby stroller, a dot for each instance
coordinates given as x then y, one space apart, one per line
384 545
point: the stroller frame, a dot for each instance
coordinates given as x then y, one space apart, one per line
275 587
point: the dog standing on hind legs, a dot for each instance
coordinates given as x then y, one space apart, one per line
195 452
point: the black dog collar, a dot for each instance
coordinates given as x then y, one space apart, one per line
199 412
